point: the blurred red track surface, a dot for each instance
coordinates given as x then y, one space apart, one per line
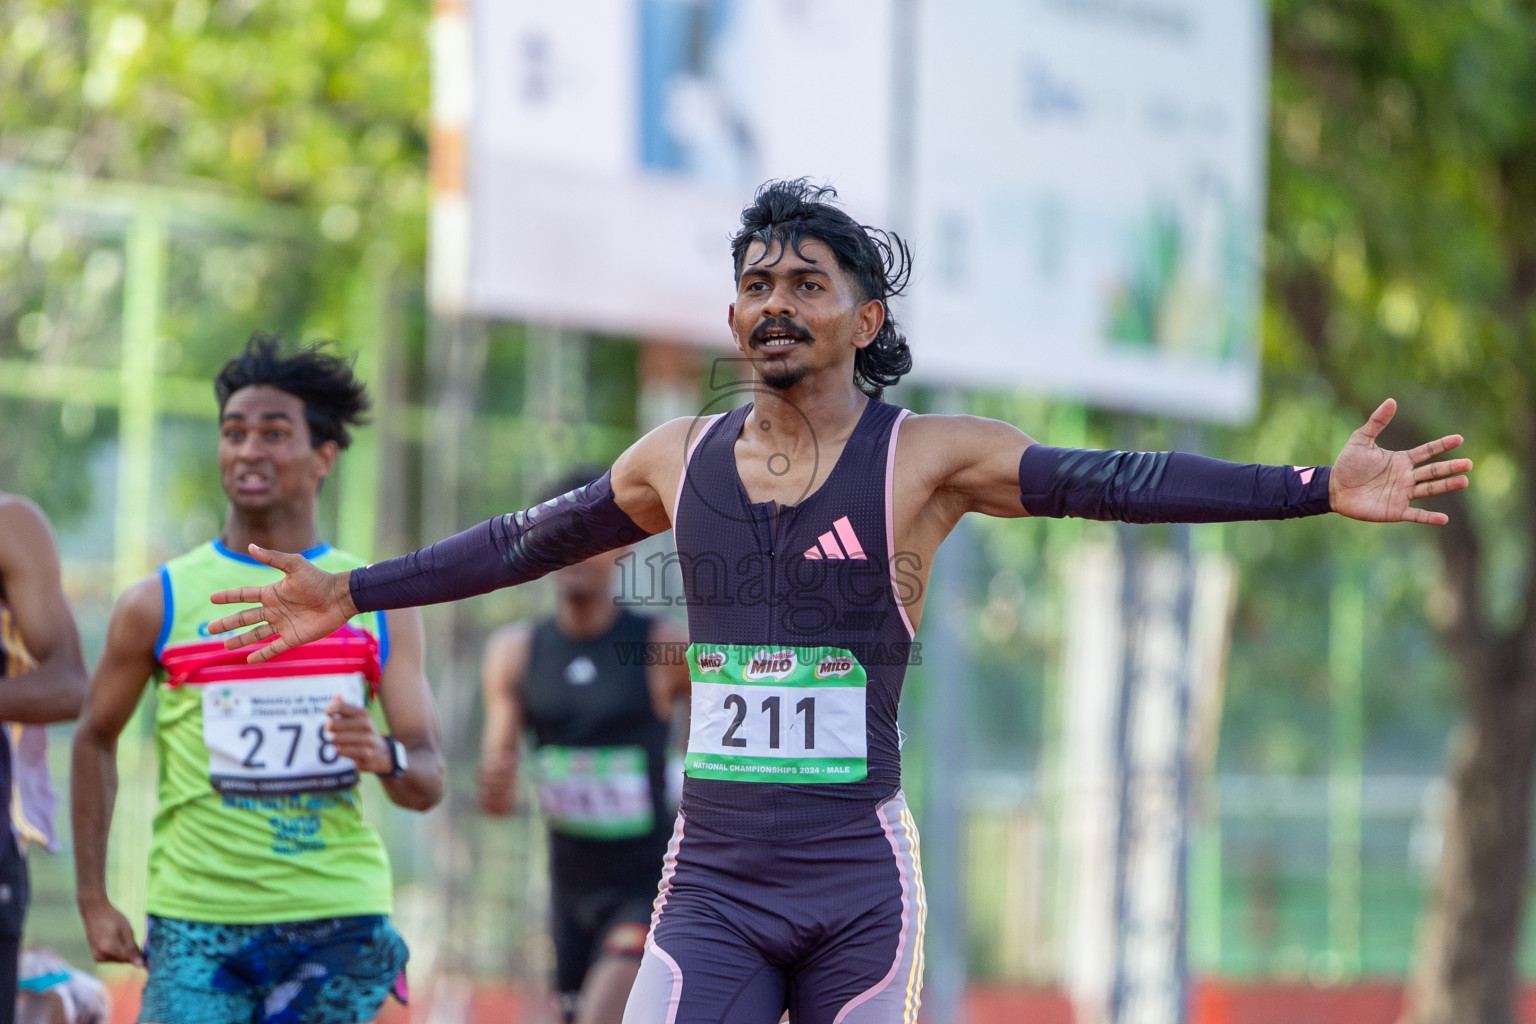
1375 1003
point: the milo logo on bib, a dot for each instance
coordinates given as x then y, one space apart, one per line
790 714
778 665
834 667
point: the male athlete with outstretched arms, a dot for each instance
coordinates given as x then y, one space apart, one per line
268 893
806 523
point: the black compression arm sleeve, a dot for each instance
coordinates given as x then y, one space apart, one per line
500 552
1165 487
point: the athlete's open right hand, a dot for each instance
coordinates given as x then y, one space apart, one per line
306 604
110 935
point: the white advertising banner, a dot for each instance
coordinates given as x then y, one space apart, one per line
614 143
1089 199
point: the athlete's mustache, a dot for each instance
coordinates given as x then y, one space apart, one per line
778 325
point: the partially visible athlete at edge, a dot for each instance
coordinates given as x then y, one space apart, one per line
807 522
42 680
596 687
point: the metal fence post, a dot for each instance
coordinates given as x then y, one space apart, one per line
143 297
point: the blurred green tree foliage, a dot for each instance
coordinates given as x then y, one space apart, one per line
321 104
1402 261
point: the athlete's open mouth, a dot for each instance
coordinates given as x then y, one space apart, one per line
771 336
251 482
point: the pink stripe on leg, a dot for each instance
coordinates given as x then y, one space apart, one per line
901 939
677 980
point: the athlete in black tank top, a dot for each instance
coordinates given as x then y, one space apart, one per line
580 696
595 689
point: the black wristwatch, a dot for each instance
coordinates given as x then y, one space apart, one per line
397 759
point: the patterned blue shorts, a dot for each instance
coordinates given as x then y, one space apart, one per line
333 971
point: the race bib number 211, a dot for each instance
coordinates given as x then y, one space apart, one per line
779 714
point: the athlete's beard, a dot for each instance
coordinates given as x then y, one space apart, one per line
782 378
775 374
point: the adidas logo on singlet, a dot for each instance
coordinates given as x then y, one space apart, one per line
838 542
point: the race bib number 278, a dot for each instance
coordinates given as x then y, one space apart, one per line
266 737
780 714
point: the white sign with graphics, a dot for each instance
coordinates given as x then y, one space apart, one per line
1090 199
614 143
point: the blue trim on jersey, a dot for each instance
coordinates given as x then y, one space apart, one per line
383 632
167 611
310 555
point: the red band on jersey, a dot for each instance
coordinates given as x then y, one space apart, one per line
345 651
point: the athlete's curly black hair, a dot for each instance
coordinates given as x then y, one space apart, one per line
333 396
879 261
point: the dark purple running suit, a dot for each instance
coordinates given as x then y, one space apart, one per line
799 895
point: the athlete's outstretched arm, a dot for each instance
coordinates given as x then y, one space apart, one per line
126 665
1365 482
409 714
29 578
501 679
619 508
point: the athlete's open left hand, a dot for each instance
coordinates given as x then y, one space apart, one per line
1377 486
351 729
306 604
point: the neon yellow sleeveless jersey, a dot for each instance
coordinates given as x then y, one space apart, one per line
259 819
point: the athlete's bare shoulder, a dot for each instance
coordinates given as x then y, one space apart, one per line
22 524
972 458
29 562
506 657
511 638
646 476
143 602
948 444
15 504
137 617
938 433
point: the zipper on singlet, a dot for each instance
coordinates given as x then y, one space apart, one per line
773 571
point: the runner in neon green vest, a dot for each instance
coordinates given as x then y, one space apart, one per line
268 894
